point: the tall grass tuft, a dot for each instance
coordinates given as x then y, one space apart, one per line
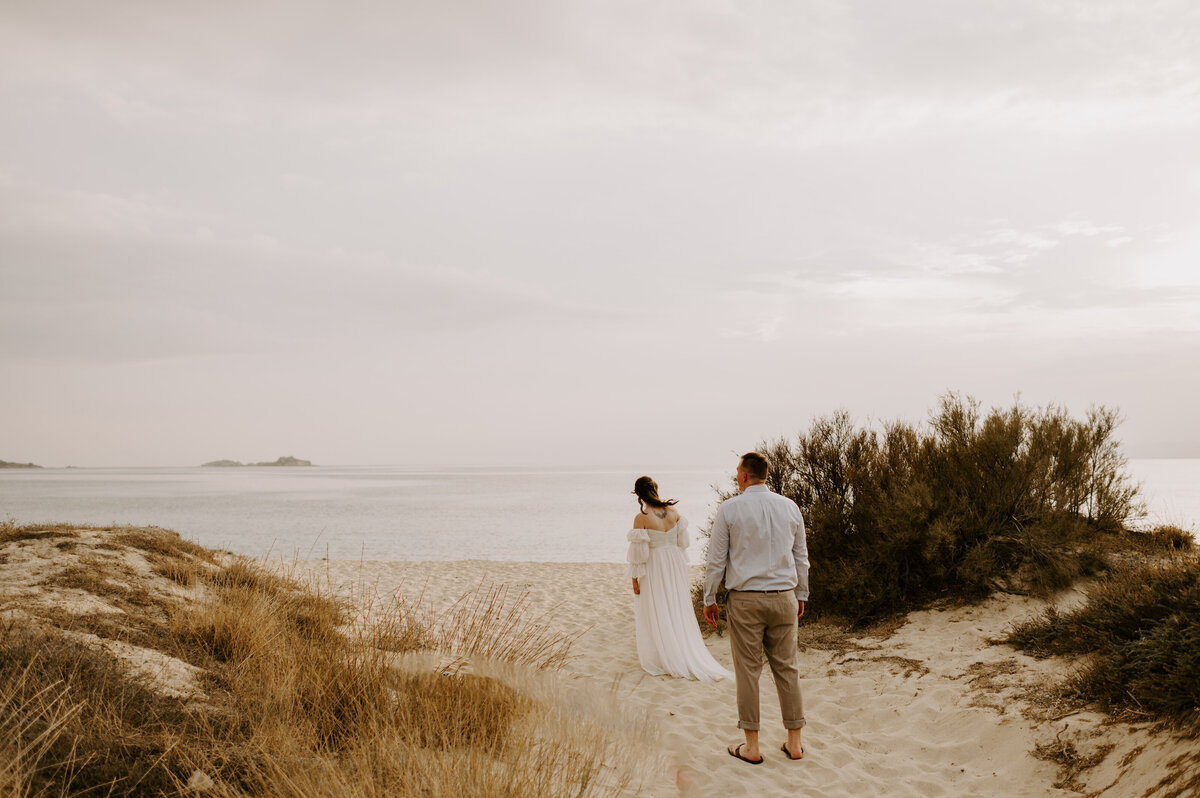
1023 498
33 719
83 723
488 622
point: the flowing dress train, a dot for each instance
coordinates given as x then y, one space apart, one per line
668 637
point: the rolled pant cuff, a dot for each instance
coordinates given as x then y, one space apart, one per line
746 725
794 724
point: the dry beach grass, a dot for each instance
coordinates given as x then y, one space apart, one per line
133 662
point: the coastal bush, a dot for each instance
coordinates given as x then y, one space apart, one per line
1165 537
1139 630
1027 499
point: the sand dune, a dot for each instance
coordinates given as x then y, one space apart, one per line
930 710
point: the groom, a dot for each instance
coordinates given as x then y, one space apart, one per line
758 546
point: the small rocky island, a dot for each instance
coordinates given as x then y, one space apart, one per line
282 461
6 464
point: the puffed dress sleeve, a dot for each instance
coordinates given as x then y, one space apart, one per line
639 552
681 534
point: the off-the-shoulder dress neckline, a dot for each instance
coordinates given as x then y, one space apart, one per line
672 529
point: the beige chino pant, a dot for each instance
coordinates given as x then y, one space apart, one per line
761 622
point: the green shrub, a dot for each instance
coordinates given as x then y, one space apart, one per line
1140 628
1022 498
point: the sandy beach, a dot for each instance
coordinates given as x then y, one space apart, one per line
923 706
931 709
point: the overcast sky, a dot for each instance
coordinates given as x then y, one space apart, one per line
607 232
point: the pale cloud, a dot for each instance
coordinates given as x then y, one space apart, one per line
1079 227
25 208
991 251
940 258
999 278
1170 265
1018 239
760 330
907 289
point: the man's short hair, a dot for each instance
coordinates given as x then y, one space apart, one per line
755 465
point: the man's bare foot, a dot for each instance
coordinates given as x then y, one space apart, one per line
788 751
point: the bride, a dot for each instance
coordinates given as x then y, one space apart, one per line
668 637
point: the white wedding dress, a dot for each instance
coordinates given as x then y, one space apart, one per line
668 637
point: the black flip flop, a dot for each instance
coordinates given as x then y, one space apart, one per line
735 752
784 748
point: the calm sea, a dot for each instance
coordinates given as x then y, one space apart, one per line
396 513
372 512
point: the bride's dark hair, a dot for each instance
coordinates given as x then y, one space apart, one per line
646 490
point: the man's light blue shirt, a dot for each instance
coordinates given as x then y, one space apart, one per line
757 543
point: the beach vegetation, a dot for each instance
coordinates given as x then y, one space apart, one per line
162 542
108 580
253 681
1071 761
899 515
1138 637
11 532
489 622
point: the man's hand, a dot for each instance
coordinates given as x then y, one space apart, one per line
800 612
712 614
637 589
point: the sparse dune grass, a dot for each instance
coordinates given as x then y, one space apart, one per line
10 532
162 541
398 624
92 725
483 710
32 721
299 692
488 623
170 555
182 572
110 580
1138 633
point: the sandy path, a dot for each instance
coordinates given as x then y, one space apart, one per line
930 711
